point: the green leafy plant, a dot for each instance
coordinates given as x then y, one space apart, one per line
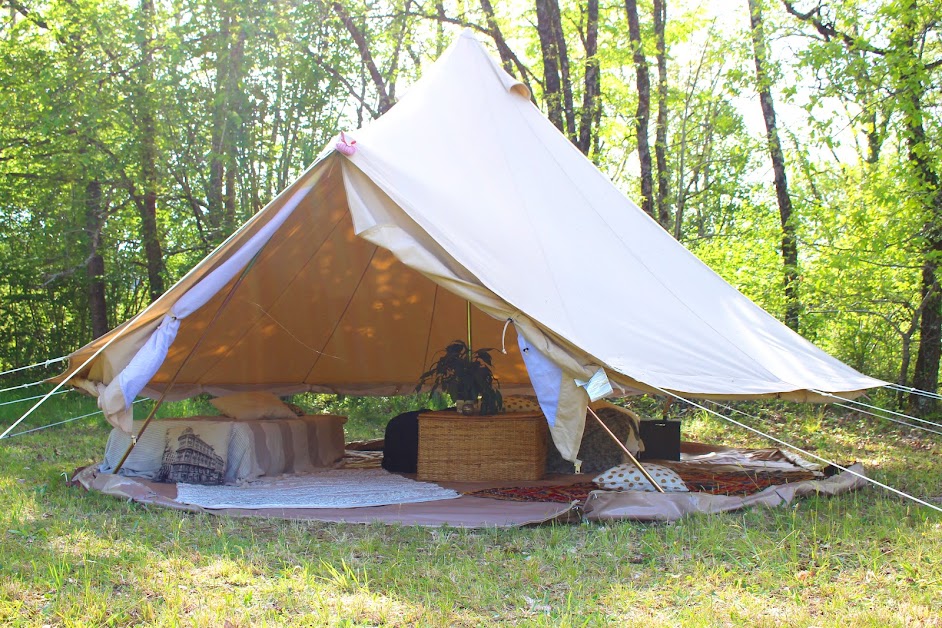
465 374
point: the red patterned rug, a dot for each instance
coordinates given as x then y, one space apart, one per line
739 483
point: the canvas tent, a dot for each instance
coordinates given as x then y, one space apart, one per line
356 275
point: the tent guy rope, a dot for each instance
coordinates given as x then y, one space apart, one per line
21 386
915 391
887 418
43 427
854 402
798 449
66 379
7 403
32 366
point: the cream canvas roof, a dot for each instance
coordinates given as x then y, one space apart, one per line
462 192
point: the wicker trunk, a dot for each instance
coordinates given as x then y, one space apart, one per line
459 447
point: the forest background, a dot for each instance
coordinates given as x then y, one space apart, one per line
793 146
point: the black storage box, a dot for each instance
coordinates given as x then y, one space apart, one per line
661 440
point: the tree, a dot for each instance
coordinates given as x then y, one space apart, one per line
660 141
643 115
904 45
789 240
147 201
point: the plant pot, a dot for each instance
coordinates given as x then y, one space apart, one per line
467 406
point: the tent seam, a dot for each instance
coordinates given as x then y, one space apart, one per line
340 318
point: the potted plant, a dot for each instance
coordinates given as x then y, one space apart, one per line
467 377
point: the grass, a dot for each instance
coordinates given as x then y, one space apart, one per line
70 558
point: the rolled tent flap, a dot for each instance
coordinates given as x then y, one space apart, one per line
116 398
562 401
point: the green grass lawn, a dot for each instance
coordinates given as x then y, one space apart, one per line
71 558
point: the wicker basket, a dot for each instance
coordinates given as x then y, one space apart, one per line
474 448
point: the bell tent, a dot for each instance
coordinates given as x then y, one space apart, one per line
356 275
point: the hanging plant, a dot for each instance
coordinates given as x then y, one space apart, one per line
465 375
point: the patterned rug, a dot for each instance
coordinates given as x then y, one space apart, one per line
739 483
697 481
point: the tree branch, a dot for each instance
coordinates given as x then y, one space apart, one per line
385 102
828 30
29 15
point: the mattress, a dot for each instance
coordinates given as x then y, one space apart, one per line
266 447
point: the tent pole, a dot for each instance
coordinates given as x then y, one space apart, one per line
631 457
173 380
469 330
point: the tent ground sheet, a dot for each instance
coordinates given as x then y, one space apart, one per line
720 479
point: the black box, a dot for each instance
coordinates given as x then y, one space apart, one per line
661 440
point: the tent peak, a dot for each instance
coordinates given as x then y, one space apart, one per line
511 83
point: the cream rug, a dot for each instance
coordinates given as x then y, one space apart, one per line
336 488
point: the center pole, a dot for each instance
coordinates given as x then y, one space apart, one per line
469 330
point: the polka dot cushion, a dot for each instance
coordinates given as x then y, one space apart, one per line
627 477
521 403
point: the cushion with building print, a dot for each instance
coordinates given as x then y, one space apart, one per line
195 455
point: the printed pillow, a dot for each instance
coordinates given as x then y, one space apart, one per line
252 406
195 455
521 403
627 477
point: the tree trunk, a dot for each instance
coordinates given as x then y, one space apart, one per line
591 95
789 241
385 100
233 105
95 267
643 115
660 141
552 88
569 112
507 57
147 207
926 371
214 191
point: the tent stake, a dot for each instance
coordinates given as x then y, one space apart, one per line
631 457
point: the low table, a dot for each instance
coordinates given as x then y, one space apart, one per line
461 447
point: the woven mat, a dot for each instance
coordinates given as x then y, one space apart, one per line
337 488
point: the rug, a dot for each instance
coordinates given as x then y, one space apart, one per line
347 488
563 493
738 483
